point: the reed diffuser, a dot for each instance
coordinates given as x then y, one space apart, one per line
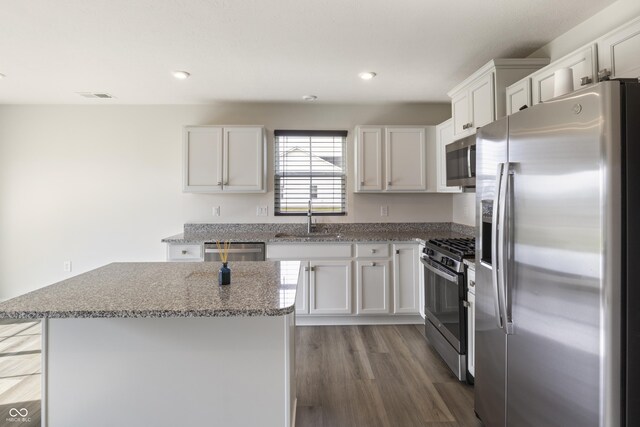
224 274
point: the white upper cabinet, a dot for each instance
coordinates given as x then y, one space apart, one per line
229 159
406 168
619 51
369 159
519 95
583 62
479 99
394 159
444 136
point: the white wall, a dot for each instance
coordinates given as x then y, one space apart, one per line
599 24
464 209
98 184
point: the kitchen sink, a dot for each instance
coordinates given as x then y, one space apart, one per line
309 235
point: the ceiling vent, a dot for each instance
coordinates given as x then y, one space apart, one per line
95 95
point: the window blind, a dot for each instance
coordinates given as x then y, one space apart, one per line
310 166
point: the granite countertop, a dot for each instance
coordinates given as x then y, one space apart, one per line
162 289
346 237
327 233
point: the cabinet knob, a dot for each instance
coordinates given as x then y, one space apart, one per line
312 269
362 183
389 183
373 264
184 252
225 183
373 251
472 283
397 251
219 182
466 304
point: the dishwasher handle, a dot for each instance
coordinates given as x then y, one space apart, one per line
233 251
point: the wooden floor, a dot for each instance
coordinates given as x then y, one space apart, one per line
369 376
347 376
20 370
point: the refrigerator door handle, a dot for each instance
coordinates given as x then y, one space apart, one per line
469 162
494 246
505 243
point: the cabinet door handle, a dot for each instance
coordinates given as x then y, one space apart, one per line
362 183
373 251
219 182
397 251
306 269
184 252
389 183
466 304
585 80
472 283
373 264
312 269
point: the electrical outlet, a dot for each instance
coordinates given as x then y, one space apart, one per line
384 210
262 211
216 211
66 266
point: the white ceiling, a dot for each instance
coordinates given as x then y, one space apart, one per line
264 50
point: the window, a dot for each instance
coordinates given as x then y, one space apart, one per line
310 166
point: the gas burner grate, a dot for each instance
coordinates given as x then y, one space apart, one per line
463 247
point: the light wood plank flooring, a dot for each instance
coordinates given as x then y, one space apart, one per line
20 370
347 376
369 376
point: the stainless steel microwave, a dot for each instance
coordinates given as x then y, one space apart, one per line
461 162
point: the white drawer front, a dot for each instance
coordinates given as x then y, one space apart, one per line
185 253
372 250
308 251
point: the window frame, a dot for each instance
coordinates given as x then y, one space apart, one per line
277 197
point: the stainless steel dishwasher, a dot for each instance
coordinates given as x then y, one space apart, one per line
238 251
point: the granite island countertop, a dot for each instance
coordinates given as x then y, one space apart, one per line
161 289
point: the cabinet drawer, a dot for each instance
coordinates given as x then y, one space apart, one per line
308 251
184 253
372 250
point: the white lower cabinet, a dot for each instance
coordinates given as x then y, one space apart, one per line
354 283
372 287
471 321
330 287
406 279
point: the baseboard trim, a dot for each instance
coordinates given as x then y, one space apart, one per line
309 320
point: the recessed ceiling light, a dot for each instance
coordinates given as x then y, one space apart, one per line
181 74
367 75
310 98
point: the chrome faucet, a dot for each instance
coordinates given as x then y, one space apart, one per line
311 227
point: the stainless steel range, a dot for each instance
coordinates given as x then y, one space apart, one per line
445 299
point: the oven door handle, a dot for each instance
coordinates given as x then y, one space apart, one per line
444 275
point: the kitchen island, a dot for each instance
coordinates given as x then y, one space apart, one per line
161 344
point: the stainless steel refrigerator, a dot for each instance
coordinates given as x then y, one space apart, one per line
557 263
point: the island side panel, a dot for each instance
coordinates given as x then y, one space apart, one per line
230 371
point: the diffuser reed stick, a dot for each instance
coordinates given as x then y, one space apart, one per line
223 250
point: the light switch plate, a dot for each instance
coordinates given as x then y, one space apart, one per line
384 210
66 266
262 210
216 211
